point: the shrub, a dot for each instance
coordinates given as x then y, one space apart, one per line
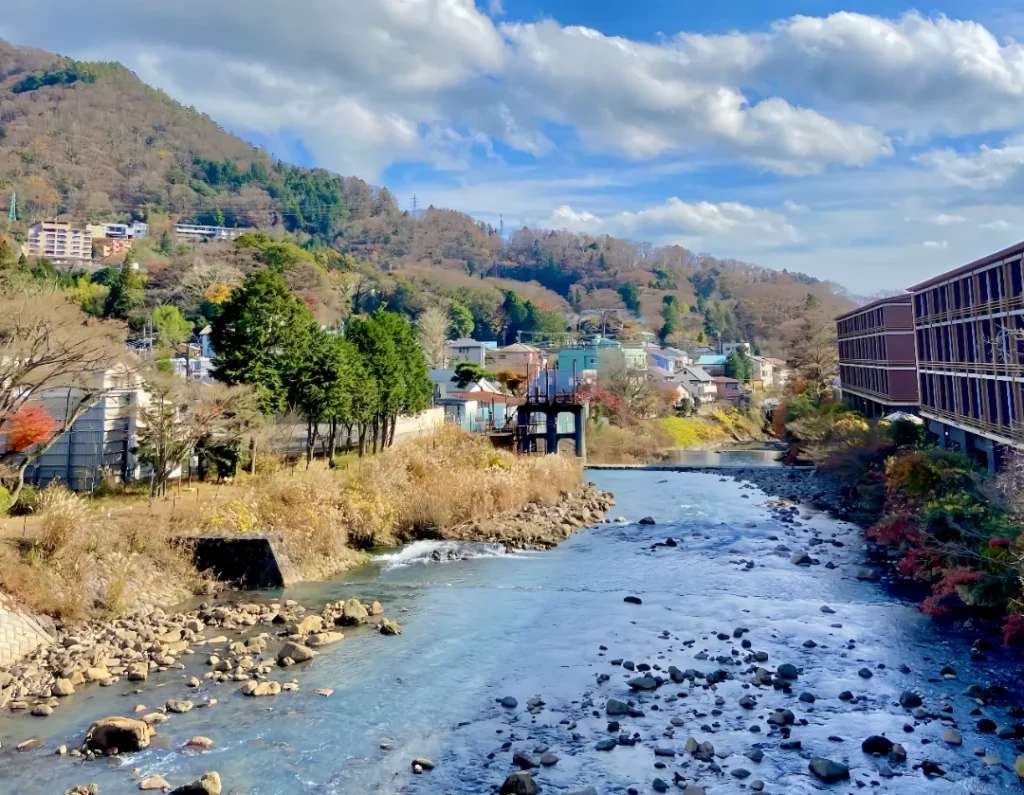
5 499
62 520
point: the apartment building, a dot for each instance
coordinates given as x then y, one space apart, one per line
877 368
969 325
61 242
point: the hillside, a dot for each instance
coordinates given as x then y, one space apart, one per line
91 141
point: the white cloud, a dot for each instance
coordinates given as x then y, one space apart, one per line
947 219
913 73
677 221
642 101
987 168
936 244
999 225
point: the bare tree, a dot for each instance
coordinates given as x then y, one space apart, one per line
433 334
50 351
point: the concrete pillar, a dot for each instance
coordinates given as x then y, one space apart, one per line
551 437
580 425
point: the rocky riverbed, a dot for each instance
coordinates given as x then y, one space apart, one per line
712 638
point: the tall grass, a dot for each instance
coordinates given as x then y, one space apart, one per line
414 490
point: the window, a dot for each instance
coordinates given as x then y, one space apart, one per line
1016 287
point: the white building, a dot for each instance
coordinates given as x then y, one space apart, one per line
698 385
198 233
118 231
467 350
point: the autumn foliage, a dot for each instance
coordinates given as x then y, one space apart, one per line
29 426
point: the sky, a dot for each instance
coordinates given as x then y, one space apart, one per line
872 144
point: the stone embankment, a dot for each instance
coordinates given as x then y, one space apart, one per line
245 643
538 526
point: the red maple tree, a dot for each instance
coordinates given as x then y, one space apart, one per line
28 426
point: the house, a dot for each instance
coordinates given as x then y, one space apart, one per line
101 441
199 233
668 359
762 372
730 347
586 357
729 389
117 231
519 359
480 406
712 363
698 385
61 242
782 373
635 357
467 350
112 246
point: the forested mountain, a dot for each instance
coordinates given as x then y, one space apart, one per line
90 141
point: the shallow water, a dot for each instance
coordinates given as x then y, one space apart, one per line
726 458
533 624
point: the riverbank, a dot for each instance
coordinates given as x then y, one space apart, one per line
767 663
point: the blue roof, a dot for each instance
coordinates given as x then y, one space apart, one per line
711 359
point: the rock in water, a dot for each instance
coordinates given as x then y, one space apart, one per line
633 600
616 707
647 520
828 771
909 699
519 784
118 735
154 783
877 745
209 784
295 652
389 627
1018 766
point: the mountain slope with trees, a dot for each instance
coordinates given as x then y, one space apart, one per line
90 141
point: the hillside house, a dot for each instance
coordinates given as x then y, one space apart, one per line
669 360
712 363
468 350
729 389
518 359
698 385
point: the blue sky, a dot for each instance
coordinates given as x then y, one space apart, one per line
873 144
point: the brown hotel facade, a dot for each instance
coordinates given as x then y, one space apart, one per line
969 327
877 367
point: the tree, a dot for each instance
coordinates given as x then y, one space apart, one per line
181 415
258 336
460 321
30 425
433 328
321 385
125 293
739 366
467 373
630 297
812 351
48 347
670 316
171 326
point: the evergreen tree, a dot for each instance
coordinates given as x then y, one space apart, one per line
260 334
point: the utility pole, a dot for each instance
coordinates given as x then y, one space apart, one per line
12 210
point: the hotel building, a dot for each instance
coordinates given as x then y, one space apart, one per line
969 324
877 368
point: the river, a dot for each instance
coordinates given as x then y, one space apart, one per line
548 626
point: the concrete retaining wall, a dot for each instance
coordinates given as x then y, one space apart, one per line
247 561
20 633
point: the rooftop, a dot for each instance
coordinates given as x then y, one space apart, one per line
1015 249
711 358
900 298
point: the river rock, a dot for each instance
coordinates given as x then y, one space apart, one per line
647 520
199 743
295 652
257 689
616 707
389 627
877 745
952 737
153 783
118 735
523 760
308 625
787 671
422 763
909 699
62 687
828 771
138 672
178 706
1018 766
208 784
519 784
352 612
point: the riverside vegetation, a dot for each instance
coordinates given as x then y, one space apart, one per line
932 515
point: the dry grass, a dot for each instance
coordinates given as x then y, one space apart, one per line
72 563
96 557
410 491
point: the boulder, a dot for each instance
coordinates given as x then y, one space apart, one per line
352 612
154 783
256 689
877 745
828 771
209 784
295 652
389 627
118 735
62 687
519 784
